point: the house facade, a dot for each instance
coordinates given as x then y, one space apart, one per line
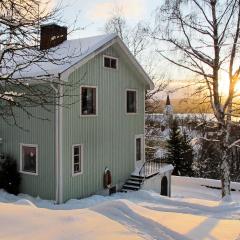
97 124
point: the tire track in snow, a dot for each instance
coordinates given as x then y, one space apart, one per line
120 211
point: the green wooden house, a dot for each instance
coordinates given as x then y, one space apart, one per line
66 156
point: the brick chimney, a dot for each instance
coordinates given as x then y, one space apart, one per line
52 35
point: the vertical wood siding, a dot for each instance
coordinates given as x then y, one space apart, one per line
108 138
38 132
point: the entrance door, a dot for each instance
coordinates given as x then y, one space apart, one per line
139 151
164 186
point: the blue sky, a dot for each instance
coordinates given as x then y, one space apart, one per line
94 13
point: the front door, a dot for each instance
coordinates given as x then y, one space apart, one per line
139 151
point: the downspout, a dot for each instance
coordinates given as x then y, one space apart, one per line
56 144
58 141
60 136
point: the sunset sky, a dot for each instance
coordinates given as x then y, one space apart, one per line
94 13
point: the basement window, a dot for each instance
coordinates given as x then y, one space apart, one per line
110 62
77 157
29 159
88 101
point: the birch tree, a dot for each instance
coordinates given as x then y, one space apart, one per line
202 36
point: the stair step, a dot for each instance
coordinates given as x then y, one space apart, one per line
133 182
137 177
130 187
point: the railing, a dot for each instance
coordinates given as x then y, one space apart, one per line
151 167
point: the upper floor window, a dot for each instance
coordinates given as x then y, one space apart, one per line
88 100
110 62
131 96
77 158
29 158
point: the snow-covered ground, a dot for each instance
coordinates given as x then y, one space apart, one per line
193 212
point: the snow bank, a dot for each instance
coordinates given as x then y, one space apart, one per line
194 212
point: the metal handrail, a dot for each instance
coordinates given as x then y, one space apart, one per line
150 167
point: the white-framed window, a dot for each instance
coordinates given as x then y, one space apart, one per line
110 62
139 148
131 101
88 100
29 158
77 159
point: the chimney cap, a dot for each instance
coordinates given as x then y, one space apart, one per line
53 24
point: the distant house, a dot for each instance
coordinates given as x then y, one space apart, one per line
66 156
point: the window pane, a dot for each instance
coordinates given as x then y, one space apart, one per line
113 63
138 149
76 150
76 168
76 159
107 62
131 102
29 159
88 101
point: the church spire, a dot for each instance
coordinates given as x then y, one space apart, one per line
168 101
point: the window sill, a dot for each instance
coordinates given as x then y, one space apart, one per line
136 113
90 115
29 173
77 174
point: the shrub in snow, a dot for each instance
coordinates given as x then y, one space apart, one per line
10 178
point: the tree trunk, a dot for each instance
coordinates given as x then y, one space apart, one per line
225 165
225 178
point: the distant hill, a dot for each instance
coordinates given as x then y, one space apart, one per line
180 105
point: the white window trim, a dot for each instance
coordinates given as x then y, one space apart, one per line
143 147
21 160
81 160
133 90
107 56
88 115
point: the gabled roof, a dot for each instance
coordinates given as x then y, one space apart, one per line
76 53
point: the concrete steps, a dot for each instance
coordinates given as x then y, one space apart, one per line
133 183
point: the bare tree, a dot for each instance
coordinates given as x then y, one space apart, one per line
137 40
202 36
20 54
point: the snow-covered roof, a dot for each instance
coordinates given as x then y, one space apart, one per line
71 54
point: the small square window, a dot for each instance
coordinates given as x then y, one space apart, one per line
29 157
110 62
131 101
107 62
77 159
88 101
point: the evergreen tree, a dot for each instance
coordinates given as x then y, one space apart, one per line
174 147
179 151
186 162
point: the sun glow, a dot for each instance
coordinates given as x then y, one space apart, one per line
224 85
